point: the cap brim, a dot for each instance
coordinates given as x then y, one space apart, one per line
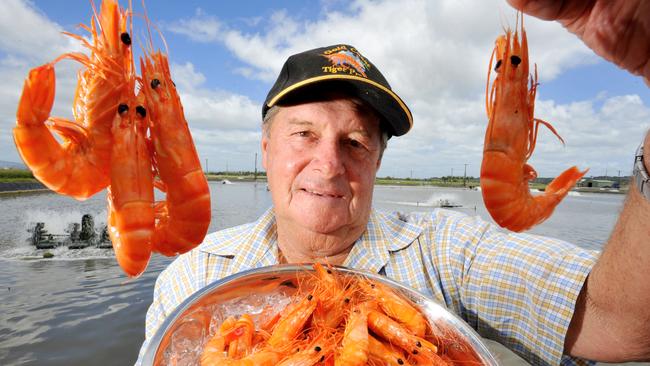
388 104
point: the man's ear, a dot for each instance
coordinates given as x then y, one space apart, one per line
264 145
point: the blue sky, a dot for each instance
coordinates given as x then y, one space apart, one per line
225 56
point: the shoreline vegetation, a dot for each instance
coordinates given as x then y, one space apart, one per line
14 181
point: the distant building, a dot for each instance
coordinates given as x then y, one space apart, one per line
597 183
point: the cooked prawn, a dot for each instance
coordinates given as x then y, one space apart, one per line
354 346
182 220
396 307
510 140
310 352
293 321
79 166
261 358
335 297
384 354
390 330
233 343
130 196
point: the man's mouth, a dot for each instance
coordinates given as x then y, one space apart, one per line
322 193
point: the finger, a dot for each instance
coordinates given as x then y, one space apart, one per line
566 10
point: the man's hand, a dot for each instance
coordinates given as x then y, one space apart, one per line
617 30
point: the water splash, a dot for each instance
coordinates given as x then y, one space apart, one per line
435 200
58 223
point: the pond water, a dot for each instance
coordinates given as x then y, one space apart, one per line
78 308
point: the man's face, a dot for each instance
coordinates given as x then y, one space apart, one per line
321 159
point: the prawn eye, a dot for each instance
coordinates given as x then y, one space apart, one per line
122 108
497 65
309 297
400 361
317 349
126 39
155 83
515 60
141 111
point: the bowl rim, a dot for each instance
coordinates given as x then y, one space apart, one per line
152 350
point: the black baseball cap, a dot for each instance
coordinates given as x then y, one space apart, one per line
341 65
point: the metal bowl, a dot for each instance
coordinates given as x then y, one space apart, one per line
251 290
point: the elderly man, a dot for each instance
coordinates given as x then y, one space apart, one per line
326 123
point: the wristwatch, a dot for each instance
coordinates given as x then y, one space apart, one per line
641 173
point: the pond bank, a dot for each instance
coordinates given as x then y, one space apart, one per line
21 187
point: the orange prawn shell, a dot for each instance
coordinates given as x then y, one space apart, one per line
510 141
184 217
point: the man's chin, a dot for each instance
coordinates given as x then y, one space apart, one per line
321 226
319 221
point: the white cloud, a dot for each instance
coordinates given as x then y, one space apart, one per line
213 109
29 33
30 39
435 54
200 28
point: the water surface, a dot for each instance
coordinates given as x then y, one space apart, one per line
78 308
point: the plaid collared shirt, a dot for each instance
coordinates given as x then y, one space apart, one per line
517 289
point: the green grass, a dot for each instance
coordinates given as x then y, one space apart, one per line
235 176
438 182
16 176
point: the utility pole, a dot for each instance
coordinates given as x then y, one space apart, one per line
465 176
605 173
452 173
206 166
255 175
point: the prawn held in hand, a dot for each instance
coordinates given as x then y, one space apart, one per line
79 166
182 220
510 140
130 195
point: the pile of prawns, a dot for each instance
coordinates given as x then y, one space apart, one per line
129 135
337 320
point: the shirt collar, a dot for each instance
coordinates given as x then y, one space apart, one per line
250 246
255 245
385 233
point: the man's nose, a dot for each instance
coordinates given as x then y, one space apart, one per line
329 158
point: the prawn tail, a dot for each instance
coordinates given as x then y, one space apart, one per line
130 228
182 220
538 208
563 182
34 141
44 155
37 97
544 204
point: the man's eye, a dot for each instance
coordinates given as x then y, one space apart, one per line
355 143
302 133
